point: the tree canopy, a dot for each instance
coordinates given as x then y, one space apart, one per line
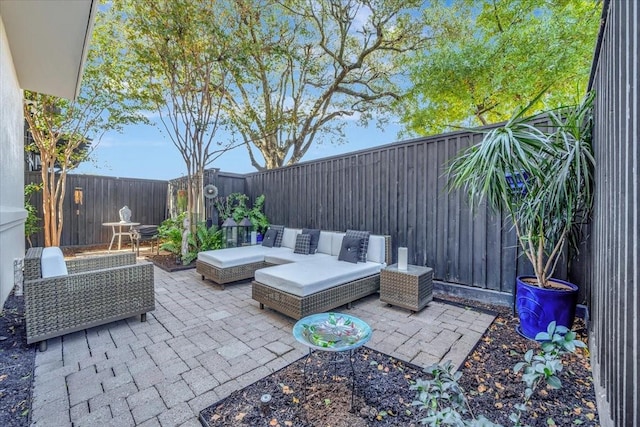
62 129
299 68
180 44
485 58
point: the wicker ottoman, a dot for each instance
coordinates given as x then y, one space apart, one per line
411 288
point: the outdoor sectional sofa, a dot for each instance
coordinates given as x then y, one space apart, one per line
295 284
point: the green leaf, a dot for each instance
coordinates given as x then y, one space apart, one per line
528 356
554 382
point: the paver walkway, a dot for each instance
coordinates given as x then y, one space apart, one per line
201 343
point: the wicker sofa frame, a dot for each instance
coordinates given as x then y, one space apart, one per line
298 307
97 290
221 276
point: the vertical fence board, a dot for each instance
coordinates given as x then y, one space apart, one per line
613 254
400 189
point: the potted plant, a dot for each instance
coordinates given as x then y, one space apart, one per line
547 204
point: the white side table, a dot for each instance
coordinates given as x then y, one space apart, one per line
116 230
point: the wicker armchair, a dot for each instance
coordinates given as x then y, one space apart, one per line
96 291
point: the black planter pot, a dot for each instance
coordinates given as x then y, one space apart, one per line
537 307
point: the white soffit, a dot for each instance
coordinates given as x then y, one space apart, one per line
49 40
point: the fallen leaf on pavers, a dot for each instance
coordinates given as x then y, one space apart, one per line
499 386
380 367
577 411
286 389
591 405
590 417
215 417
240 416
274 422
295 400
499 405
482 388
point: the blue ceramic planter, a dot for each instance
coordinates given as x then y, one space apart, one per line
537 307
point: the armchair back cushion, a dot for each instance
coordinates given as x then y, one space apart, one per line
52 263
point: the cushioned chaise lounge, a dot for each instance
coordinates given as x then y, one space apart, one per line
321 283
232 264
228 265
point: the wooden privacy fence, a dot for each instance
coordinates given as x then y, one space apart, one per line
102 198
226 183
614 261
150 201
400 189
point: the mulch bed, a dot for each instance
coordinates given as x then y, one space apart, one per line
168 263
383 397
16 365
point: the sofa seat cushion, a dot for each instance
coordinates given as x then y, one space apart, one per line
306 278
232 257
285 257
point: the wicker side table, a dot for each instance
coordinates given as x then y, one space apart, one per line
411 288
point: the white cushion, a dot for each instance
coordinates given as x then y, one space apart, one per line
232 257
52 262
336 243
289 237
376 250
282 257
324 242
306 278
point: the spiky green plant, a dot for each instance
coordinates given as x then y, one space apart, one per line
557 193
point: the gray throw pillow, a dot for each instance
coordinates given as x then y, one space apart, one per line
269 238
364 246
280 229
302 244
315 236
349 250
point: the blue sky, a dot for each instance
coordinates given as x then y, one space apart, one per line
144 151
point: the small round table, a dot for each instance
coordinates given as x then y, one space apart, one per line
119 233
332 332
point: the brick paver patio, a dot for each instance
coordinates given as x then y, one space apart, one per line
201 343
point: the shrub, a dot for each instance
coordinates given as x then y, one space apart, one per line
170 233
445 403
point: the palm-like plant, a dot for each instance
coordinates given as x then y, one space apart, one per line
556 171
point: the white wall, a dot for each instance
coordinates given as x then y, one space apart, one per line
12 212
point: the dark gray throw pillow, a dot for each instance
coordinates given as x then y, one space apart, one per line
278 240
269 238
349 250
364 246
315 236
302 244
